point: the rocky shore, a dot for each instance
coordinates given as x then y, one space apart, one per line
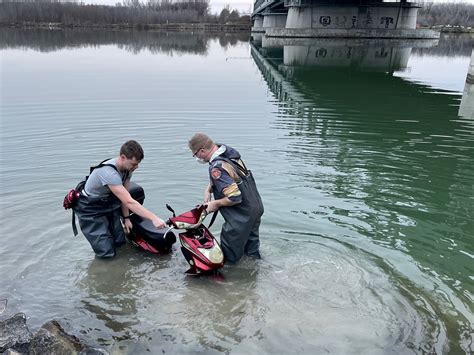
16 338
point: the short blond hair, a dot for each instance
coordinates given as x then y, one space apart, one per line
200 141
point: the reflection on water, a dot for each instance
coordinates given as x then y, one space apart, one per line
391 157
466 108
132 41
112 303
366 172
366 55
449 46
112 293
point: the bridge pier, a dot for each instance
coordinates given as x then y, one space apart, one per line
466 109
274 20
370 17
348 18
258 24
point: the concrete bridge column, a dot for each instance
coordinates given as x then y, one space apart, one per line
299 17
352 17
274 20
408 18
466 109
258 22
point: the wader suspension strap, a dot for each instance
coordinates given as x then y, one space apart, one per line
101 164
74 228
241 171
212 219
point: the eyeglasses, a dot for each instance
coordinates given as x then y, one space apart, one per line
197 151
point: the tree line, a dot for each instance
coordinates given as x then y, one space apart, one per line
443 14
128 13
135 13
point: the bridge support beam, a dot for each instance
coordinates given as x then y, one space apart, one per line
390 16
258 24
352 18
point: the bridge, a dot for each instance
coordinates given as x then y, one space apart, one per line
338 18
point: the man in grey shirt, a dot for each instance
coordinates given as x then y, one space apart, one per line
105 200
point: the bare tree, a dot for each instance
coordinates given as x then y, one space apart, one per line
454 14
125 13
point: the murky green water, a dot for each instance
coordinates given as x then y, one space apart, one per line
361 151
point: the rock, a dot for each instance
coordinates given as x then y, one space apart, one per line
52 339
16 339
14 334
11 352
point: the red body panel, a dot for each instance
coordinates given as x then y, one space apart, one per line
199 238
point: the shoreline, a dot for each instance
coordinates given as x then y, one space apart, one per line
205 27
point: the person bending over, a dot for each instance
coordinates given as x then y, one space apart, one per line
235 196
105 203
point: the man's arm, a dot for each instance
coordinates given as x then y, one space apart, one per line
129 203
125 210
226 182
207 193
127 224
214 205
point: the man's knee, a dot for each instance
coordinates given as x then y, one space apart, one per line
102 245
232 253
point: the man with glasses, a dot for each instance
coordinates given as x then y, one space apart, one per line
235 196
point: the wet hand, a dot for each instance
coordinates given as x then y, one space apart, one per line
212 206
158 223
127 225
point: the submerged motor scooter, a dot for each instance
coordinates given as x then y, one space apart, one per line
144 235
199 247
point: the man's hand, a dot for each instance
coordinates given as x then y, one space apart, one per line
158 222
207 193
212 206
127 225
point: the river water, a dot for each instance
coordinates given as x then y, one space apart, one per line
362 152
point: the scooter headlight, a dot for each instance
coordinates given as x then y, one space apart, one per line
214 254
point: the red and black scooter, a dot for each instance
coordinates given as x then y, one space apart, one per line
144 235
199 247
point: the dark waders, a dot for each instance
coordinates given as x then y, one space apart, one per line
240 233
99 218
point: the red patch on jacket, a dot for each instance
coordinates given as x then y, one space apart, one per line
215 173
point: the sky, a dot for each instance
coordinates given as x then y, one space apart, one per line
246 6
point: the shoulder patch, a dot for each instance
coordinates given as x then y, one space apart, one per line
215 173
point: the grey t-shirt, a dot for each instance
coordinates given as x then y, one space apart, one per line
96 184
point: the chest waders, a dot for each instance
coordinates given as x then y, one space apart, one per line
240 233
99 219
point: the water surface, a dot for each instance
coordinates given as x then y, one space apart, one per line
360 150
